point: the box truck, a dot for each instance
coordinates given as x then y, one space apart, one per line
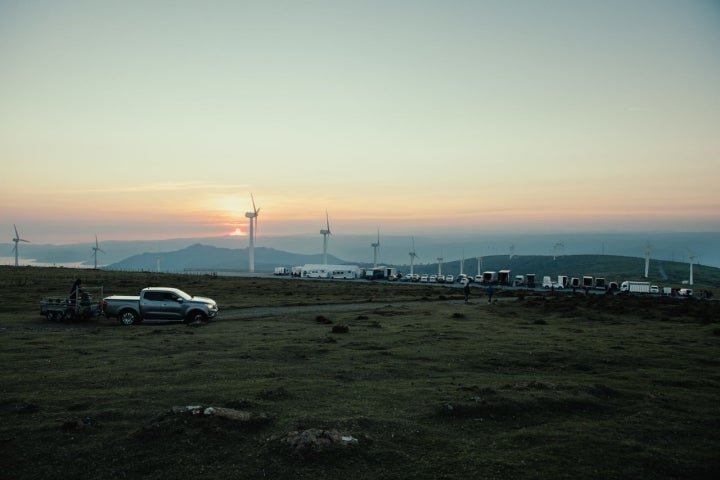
635 287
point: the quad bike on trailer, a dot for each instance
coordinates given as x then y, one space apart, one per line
79 307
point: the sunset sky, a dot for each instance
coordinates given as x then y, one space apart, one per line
157 119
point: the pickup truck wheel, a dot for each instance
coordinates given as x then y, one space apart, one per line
196 317
128 317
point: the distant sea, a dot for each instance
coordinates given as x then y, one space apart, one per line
30 262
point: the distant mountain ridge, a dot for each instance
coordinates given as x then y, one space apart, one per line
394 249
207 257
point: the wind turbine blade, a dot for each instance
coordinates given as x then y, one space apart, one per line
327 221
253 202
17 235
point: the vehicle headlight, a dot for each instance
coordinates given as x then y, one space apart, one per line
212 306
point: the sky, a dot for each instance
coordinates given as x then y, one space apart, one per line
158 119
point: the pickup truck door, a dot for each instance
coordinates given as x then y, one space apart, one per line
161 306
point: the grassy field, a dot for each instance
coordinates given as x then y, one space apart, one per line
416 385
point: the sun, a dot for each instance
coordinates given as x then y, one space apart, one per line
237 232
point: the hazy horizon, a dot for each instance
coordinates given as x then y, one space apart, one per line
158 120
394 249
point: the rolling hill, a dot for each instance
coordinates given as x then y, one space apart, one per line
200 257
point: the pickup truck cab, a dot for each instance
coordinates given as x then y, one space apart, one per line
159 303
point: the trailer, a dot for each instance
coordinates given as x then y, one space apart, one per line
281 271
635 287
490 278
349 272
504 277
82 307
575 282
587 282
530 280
562 280
600 283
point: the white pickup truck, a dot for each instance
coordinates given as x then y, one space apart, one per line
159 303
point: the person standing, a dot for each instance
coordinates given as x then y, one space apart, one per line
490 292
466 290
76 290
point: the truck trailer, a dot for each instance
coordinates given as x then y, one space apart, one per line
490 278
635 287
504 277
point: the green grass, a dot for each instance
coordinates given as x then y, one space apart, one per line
544 387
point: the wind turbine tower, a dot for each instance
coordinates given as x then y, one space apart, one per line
16 240
376 247
479 260
96 249
440 260
326 233
412 257
692 261
252 219
648 248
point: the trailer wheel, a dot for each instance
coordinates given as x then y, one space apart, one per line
128 317
196 317
51 316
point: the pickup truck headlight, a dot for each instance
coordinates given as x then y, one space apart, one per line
211 306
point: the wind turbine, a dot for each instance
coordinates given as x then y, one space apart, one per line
412 257
325 233
558 246
252 218
440 260
376 247
648 248
17 239
512 252
96 249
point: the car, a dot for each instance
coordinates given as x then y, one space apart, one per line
424 278
449 279
432 279
654 289
554 286
441 278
